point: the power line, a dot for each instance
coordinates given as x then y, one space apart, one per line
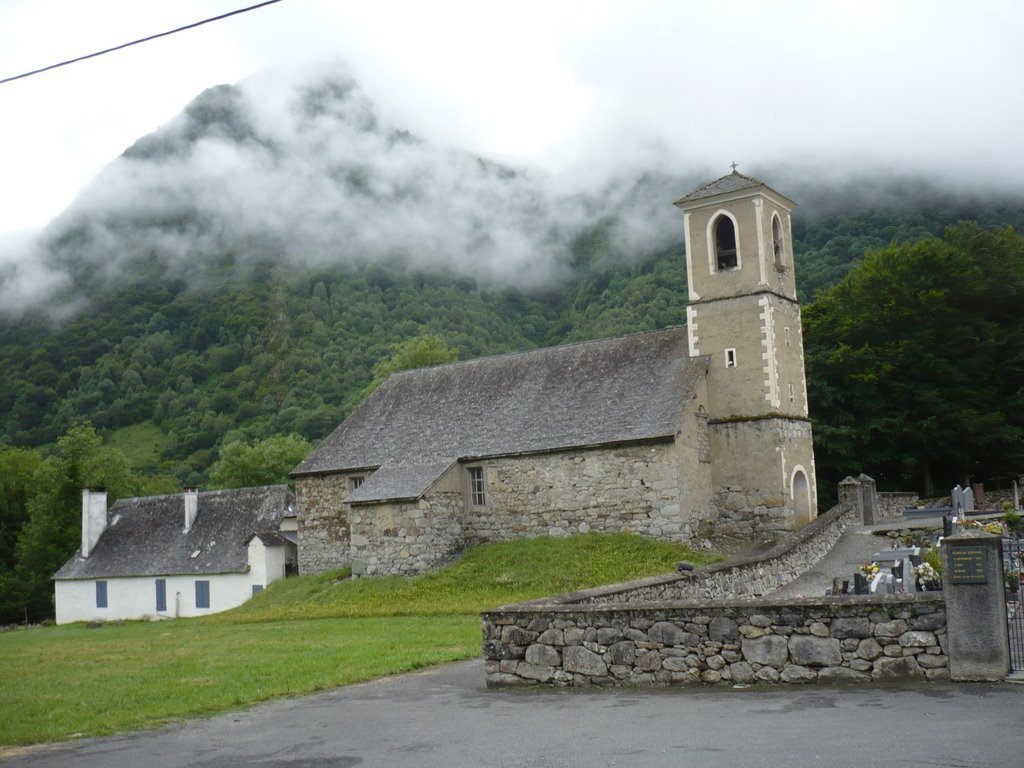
141 40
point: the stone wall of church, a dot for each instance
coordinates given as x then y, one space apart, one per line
754 461
323 522
408 538
658 490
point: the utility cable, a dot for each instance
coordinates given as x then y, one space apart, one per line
141 40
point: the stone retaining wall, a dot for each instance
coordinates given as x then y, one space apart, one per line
737 579
828 640
892 504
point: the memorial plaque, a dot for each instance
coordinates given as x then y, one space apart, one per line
968 564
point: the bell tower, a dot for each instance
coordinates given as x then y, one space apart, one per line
743 313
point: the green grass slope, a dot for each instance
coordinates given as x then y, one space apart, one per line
300 635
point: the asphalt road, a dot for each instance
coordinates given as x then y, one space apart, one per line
445 717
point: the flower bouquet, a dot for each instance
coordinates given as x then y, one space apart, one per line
927 576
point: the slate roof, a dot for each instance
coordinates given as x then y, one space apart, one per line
733 182
145 536
419 423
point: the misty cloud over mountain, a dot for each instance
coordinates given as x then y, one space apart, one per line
304 171
309 174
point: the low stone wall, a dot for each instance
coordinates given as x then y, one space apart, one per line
892 504
827 640
746 578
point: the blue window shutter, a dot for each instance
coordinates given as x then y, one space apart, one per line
202 594
161 594
257 588
101 594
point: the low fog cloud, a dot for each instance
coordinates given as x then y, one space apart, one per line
309 174
25 279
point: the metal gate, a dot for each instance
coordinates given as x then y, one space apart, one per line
1012 551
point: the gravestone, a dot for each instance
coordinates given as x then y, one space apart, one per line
1016 496
968 497
957 501
978 493
972 582
860 584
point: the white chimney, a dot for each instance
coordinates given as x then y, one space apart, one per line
191 507
94 518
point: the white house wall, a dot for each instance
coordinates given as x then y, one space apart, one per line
135 597
266 564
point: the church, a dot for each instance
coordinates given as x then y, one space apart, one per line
680 433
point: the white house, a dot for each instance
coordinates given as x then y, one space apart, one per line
187 554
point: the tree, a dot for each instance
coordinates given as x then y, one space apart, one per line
52 532
18 467
915 362
415 352
262 462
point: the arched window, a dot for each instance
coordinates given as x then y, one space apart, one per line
725 243
778 243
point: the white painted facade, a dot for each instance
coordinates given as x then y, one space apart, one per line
134 597
81 595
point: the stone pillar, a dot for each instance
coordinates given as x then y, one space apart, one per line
870 497
849 494
972 582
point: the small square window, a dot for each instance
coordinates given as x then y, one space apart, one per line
202 594
476 486
101 594
730 358
257 588
355 481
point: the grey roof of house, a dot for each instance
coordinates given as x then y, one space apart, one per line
146 537
269 538
419 423
733 182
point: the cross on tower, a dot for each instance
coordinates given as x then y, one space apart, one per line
734 164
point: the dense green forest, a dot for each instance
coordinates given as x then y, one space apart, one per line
186 349
915 366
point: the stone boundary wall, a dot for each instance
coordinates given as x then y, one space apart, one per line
746 578
892 504
842 639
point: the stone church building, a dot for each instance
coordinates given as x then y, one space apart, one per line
678 433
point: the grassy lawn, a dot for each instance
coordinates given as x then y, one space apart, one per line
301 635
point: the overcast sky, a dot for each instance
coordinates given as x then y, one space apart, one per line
577 89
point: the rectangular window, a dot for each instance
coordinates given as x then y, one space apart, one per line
101 594
161 594
257 588
476 486
730 358
355 482
202 594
